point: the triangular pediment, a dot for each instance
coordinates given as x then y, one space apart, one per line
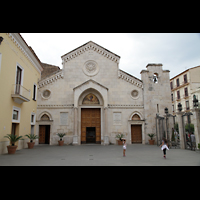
90 82
90 46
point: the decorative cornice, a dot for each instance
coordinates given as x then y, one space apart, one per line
90 46
64 106
17 39
51 79
90 80
130 79
125 106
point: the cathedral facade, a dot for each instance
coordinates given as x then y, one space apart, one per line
91 100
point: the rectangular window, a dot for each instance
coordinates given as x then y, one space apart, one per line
19 78
178 94
172 108
171 84
185 78
34 92
186 92
33 118
187 105
177 82
157 108
172 97
15 114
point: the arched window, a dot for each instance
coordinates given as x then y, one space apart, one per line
155 77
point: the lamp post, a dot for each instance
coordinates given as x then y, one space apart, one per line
166 112
179 107
195 101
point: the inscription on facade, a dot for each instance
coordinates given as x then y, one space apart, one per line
63 118
117 118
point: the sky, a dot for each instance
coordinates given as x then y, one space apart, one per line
176 51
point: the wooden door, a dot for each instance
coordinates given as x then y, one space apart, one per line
136 133
42 130
91 117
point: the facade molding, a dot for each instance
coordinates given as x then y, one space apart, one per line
17 39
90 46
130 79
51 79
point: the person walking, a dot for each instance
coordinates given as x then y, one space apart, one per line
124 147
164 146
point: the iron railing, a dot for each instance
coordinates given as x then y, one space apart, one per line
18 89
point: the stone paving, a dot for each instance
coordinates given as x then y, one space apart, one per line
98 155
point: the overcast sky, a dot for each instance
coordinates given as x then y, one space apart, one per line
176 51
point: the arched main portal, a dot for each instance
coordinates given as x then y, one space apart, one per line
93 96
90 103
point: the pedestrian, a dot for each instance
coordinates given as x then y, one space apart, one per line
193 141
164 146
124 147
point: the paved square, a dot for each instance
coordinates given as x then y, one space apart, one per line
98 155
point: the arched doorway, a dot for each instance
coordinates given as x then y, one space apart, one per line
91 118
136 129
44 129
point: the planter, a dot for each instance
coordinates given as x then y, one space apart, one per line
61 142
120 142
151 142
11 149
30 144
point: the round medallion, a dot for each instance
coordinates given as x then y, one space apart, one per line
90 68
135 94
46 94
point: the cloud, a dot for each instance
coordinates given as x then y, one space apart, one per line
176 51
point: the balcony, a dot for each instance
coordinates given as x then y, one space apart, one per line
183 84
20 94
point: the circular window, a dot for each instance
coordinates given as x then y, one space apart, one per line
46 94
134 94
90 68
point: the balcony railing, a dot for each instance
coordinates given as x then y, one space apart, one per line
20 94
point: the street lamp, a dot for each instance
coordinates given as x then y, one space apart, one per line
195 101
166 110
179 107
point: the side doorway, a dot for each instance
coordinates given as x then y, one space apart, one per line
136 134
44 134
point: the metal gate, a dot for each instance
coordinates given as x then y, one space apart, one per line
188 132
164 129
160 129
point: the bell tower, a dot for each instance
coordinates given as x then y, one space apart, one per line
157 95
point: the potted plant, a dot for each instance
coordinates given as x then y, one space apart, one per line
31 143
151 141
61 135
13 138
119 137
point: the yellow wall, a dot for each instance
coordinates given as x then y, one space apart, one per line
10 56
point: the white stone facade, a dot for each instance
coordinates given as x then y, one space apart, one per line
91 69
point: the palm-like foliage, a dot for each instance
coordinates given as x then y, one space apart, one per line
32 137
151 136
13 138
61 135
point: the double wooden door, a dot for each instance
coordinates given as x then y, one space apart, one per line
44 134
136 133
91 125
